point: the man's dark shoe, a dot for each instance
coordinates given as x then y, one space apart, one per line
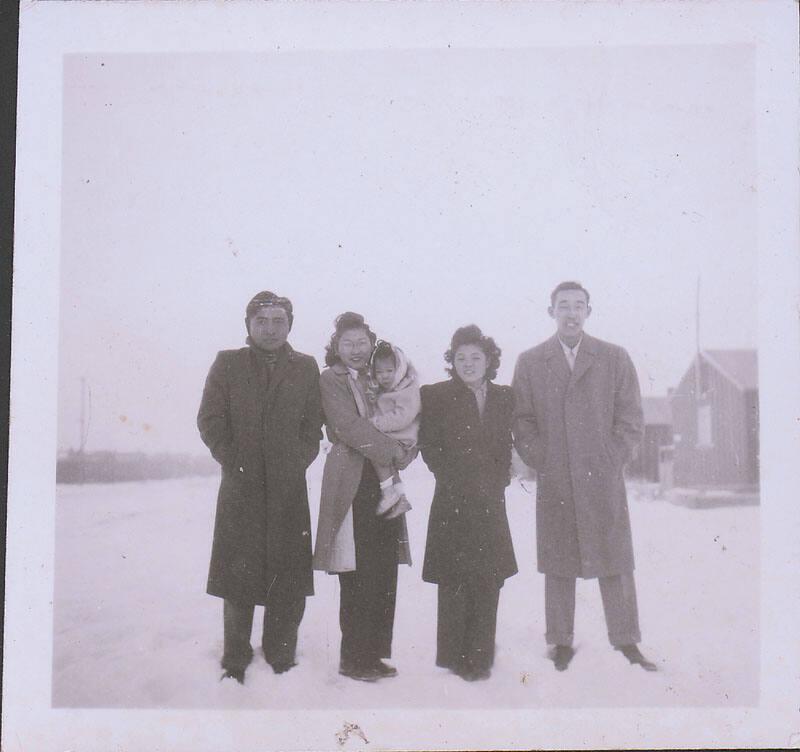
384 670
233 673
360 673
475 674
281 667
561 656
634 656
468 672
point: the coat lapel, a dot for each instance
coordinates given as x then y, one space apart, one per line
282 369
557 361
490 408
463 395
254 406
585 359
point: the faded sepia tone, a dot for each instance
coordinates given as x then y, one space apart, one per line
175 160
426 191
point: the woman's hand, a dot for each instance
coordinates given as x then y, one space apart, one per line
402 457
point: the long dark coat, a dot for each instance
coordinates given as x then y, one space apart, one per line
355 441
470 456
577 430
264 443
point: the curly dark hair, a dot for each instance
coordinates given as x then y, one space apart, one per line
472 335
345 322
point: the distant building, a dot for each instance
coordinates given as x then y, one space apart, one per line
114 467
657 433
715 421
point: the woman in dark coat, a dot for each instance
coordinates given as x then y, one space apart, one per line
363 548
465 439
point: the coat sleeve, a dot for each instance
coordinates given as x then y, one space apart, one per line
404 408
346 425
431 433
627 427
213 417
312 418
527 436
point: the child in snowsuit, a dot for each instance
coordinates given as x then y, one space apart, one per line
396 403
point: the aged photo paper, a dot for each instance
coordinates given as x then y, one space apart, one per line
428 166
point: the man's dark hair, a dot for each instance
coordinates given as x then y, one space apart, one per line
267 299
569 285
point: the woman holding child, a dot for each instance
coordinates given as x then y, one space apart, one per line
465 440
361 534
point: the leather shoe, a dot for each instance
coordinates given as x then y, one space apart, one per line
561 656
384 670
233 673
360 673
281 667
634 656
475 674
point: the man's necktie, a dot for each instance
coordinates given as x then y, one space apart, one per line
571 358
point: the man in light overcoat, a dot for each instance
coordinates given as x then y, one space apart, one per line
577 418
261 418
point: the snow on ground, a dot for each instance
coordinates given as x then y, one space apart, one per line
133 627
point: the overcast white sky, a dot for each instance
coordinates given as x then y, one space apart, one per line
426 190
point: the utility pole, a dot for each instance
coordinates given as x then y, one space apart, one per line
82 437
86 411
697 381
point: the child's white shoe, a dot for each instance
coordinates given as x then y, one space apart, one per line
389 497
402 506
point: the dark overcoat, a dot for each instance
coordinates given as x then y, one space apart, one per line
577 429
354 441
264 443
470 457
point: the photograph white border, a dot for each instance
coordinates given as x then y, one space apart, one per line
50 30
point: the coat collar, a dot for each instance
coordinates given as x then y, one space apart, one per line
491 387
584 360
283 366
558 362
460 389
339 368
553 346
458 385
288 352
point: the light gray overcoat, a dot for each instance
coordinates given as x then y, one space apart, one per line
355 440
577 430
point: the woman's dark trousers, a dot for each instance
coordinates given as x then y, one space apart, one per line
466 624
367 599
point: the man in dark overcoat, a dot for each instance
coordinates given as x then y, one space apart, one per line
261 418
577 418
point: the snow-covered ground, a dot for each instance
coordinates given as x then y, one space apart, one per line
134 628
